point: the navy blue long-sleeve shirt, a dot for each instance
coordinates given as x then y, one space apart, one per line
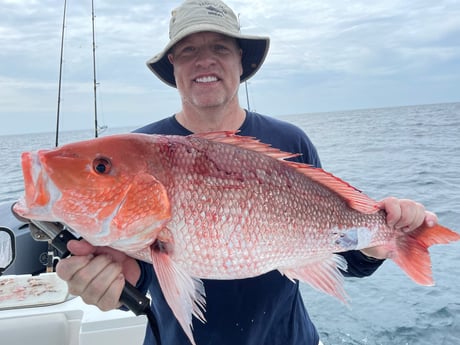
264 310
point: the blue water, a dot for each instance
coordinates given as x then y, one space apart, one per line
411 152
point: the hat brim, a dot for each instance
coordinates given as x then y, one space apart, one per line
254 48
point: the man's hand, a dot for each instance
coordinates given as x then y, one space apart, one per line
405 215
97 274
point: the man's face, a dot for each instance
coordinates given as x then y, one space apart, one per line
207 68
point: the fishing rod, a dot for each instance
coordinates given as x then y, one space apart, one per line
96 126
61 61
60 76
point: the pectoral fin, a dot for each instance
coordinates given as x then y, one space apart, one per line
184 294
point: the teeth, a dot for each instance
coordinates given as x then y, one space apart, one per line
208 79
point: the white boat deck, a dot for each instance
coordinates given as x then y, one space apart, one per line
70 323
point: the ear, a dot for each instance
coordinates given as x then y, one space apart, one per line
171 59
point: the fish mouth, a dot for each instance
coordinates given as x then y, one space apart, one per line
39 190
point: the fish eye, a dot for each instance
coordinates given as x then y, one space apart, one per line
102 165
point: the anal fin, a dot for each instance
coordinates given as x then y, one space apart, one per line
323 275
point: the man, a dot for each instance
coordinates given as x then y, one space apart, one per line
206 59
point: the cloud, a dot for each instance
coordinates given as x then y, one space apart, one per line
353 39
324 55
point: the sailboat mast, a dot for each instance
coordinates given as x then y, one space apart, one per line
96 128
58 112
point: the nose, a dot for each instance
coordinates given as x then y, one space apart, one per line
205 57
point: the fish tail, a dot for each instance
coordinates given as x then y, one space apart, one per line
411 253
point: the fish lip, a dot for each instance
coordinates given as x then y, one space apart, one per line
31 166
39 190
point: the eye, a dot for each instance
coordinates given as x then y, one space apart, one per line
186 51
102 165
220 48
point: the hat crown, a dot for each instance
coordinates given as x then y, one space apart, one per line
210 14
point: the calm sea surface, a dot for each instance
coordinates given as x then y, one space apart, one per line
411 152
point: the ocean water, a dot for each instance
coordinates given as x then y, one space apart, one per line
410 152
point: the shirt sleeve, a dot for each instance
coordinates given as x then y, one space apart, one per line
146 276
360 265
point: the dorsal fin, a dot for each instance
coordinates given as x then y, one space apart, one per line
354 198
249 143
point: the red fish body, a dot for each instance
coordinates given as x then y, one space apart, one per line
214 206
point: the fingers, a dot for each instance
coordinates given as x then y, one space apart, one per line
430 218
412 215
392 209
97 279
80 247
406 215
99 283
97 274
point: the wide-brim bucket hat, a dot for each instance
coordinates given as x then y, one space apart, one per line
215 16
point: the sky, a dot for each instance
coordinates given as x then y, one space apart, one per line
325 55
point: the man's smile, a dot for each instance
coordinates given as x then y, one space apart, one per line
206 79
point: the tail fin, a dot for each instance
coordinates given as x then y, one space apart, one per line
412 251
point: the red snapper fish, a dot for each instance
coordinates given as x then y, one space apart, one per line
214 206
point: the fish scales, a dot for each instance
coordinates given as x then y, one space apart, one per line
236 212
